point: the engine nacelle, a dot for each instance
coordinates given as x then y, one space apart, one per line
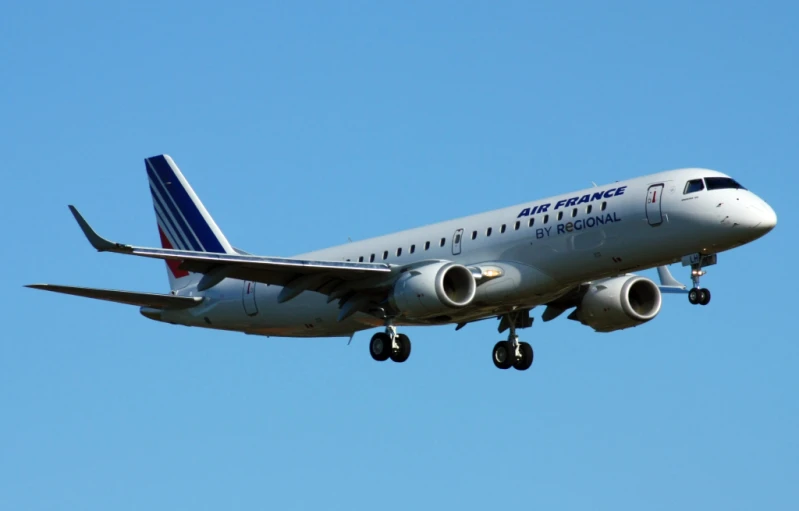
619 303
433 290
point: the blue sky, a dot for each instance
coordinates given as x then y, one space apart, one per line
302 124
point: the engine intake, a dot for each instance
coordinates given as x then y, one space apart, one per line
434 289
619 303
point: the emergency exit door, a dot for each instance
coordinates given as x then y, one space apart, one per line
457 238
654 198
248 298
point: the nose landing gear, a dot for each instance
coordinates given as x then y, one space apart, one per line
698 295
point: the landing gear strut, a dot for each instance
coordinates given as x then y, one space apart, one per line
512 353
698 295
390 344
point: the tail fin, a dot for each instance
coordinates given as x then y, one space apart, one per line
183 221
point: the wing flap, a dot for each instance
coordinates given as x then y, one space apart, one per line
155 300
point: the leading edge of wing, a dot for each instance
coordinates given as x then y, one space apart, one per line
104 245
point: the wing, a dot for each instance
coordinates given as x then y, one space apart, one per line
355 285
158 301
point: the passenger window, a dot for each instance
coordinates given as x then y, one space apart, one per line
372 258
560 215
502 229
443 240
531 222
427 245
474 235
488 231
385 255
574 212
516 227
695 185
413 249
604 206
399 252
546 219
588 209
360 259
457 238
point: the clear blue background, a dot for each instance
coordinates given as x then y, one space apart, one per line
301 124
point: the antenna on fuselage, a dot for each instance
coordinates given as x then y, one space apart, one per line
595 185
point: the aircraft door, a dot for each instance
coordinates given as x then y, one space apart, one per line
248 298
654 198
457 238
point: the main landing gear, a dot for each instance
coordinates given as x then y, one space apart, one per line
698 295
512 353
390 344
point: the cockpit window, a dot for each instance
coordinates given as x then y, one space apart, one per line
720 183
695 185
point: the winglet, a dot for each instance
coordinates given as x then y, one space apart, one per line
97 241
668 283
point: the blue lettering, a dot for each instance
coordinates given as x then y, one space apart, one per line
578 225
596 196
572 202
608 194
590 222
560 203
543 208
539 233
620 191
561 230
549 230
584 198
525 212
532 211
616 218
600 220
609 218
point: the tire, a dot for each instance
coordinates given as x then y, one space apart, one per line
380 346
526 359
404 351
704 296
694 295
502 355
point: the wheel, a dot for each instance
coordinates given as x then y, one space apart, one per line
503 355
380 346
404 349
704 297
693 296
526 359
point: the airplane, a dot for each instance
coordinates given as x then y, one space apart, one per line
573 251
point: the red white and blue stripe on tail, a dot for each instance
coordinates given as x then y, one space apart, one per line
183 221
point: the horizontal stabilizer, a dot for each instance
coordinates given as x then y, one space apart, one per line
154 300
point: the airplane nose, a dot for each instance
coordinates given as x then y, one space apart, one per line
769 218
766 218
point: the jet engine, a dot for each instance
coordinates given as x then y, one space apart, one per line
618 303
434 289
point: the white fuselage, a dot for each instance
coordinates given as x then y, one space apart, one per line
544 248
